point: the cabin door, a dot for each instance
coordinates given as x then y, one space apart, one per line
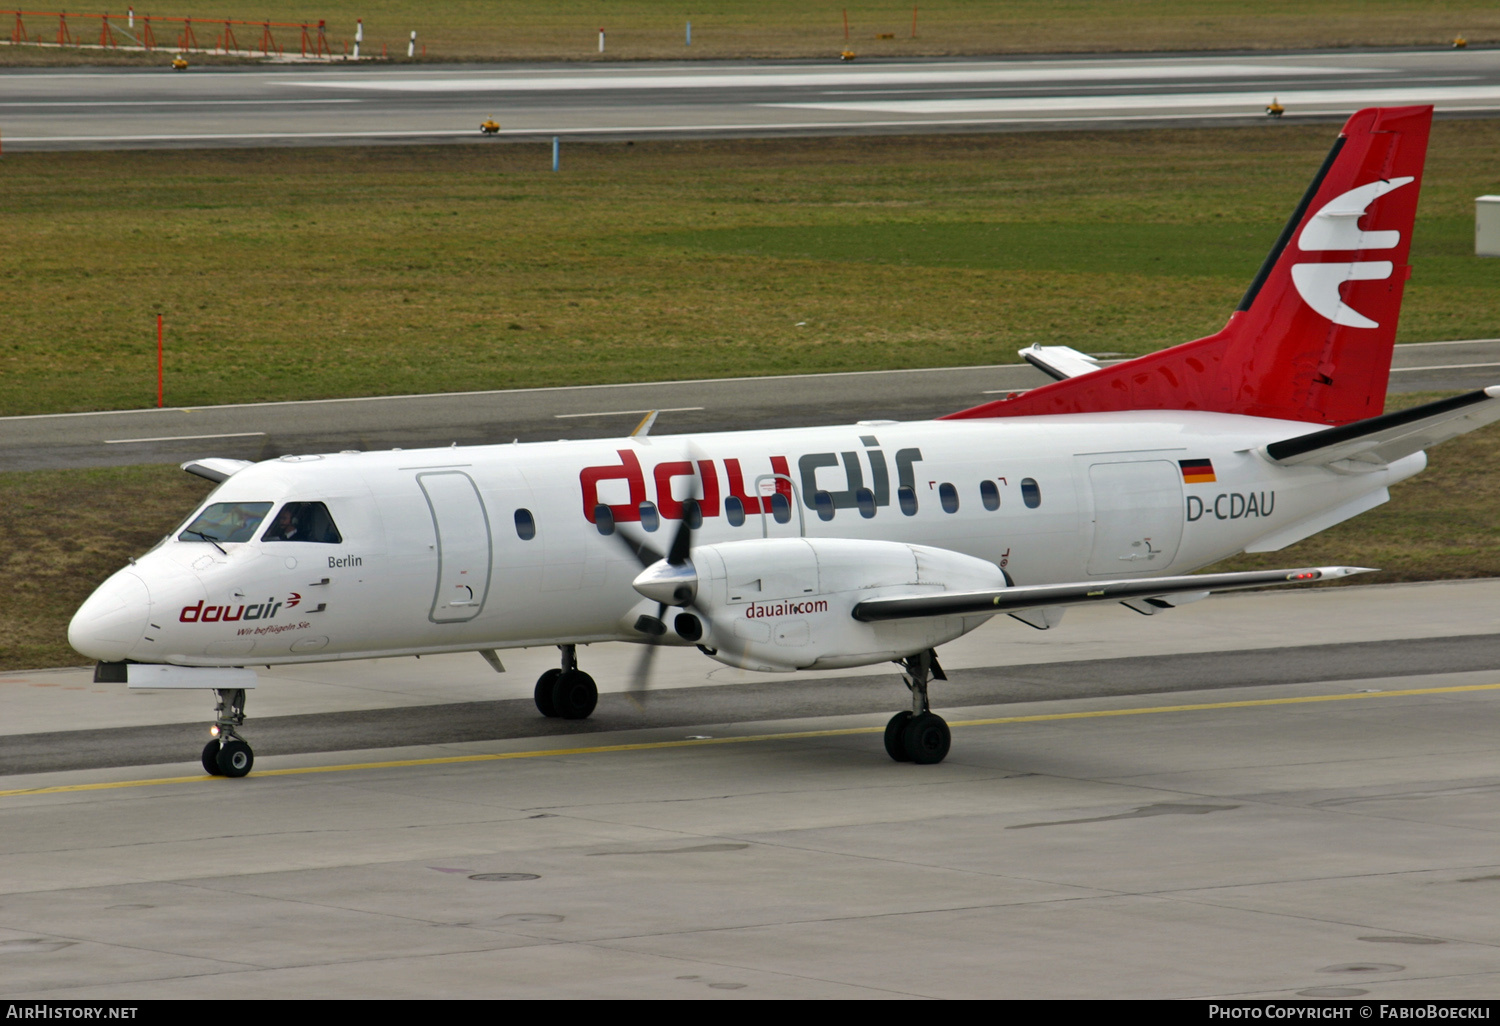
464 545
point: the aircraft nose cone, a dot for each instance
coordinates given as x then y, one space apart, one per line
113 619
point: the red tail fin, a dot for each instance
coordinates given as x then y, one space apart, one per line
1312 338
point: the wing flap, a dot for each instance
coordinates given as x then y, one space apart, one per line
1033 596
1373 443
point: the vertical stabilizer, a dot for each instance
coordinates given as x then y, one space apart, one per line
1312 338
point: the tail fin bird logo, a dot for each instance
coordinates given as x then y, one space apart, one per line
1336 227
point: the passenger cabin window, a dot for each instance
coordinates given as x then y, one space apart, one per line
948 496
303 522
1030 493
990 494
824 502
650 519
781 509
226 522
734 509
907 496
692 512
525 525
604 519
865 499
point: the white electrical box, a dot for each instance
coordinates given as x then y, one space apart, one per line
1487 226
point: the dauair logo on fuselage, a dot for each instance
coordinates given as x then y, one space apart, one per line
232 613
704 482
1231 505
760 610
1336 227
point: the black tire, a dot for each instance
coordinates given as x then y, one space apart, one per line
235 759
895 737
543 693
574 695
211 759
927 739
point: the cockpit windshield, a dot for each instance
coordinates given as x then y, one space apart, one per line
303 522
226 522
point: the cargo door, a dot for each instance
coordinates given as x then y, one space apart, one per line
1137 517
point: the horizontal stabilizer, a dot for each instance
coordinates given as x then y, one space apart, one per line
216 468
1032 596
1059 362
1373 443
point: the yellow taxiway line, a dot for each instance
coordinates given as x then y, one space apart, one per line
743 739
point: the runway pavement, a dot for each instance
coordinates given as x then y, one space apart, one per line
1301 834
265 430
99 109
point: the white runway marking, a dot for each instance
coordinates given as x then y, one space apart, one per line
172 103
621 413
183 438
1442 366
1292 100
503 82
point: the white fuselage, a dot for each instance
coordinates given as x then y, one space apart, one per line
497 546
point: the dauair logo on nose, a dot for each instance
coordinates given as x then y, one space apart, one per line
266 610
1336 227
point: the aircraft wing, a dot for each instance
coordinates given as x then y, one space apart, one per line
1373 443
1033 596
1059 362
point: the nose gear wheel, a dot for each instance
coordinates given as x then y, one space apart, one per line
566 692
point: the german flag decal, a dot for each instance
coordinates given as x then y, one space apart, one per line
1197 471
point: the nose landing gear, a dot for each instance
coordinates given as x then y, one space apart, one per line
920 736
227 755
566 693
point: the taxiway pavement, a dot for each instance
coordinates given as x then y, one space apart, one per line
1320 837
265 430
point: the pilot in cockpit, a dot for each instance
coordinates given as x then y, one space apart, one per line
303 522
286 527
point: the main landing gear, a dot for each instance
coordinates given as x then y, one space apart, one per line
919 736
566 693
227 755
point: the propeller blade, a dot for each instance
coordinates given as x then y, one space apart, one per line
639 548
640 679
680 554
682 541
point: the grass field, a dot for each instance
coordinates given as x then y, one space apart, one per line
305 273
302 273
1440 524
655 29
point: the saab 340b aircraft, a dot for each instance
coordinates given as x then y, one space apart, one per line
826 547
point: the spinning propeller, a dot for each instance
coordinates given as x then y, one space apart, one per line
670 580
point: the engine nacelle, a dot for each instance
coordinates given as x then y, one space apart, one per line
786 603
